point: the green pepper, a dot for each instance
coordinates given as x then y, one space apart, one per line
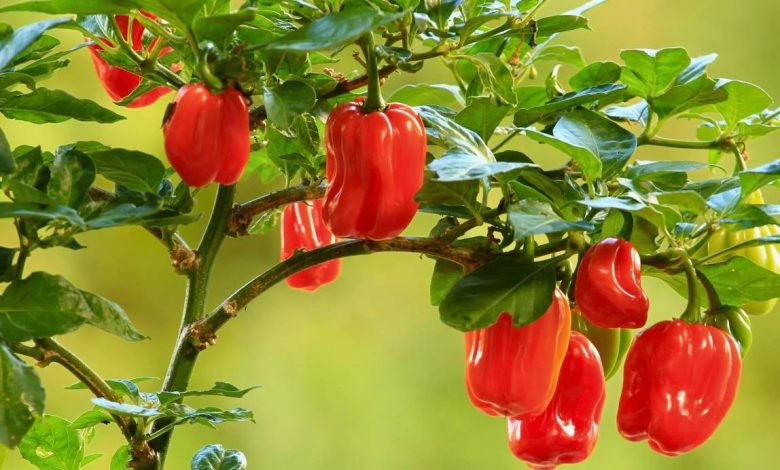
734 321
767 256
612 343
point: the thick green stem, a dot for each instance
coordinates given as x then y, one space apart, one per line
680 144
739 159
374 100
185 354
692 311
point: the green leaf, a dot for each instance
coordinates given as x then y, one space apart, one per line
753 179
563 55
52 444
588 161
44 105
40 306
445 275
696 69
415 94
532 217
78 7
24 37
453 193
654 170
554 25
744 99
33 211
697 92
216 457
461 165
72 174
127 409
650 73
595 74
612 144
220 389
482 116
91 418
136 171
7 164
527 116
21 398
220 27
209 416
441 10
504 284
121 458
287 101
110 317
494 75
334 30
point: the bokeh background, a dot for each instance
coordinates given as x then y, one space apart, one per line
361 374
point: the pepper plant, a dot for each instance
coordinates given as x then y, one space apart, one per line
263 92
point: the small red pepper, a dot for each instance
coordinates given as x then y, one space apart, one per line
679 382
120 83
608 289
304 229
567 430
375 163
207 135
512 371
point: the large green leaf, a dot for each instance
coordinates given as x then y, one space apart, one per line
649 73
137 171
744 99
24 37
334 30
532 217
79 7
52 444
21 398
504 284
44 106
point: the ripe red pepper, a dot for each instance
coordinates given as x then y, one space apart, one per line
207 135
304 229
567 430
120 83
374 166
512 371
608 289
679 382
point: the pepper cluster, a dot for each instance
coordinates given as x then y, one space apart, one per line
680 378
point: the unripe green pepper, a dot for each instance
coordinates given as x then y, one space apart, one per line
611 343
734 321
767 256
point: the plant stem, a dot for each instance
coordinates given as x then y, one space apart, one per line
185 354
681 144
204 331
739 159
244 213
692 313
374 100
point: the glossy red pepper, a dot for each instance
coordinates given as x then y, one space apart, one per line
304 229
207 135
375 164
608 289
512 371
679 382
567 430
120 83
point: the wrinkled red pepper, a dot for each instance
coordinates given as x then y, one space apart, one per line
679 382
608 288
567 430
207 135
120 83
375 164
512 371
304 229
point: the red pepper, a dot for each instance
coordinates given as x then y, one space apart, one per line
512 371
304 229
207 135
375 164
566 432
608 289
679 382
120 83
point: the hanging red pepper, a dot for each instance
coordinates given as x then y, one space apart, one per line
207 135
679 382
567 430
512 371
120 83
375 164
608 289
304 229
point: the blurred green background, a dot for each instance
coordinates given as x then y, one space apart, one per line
361 374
